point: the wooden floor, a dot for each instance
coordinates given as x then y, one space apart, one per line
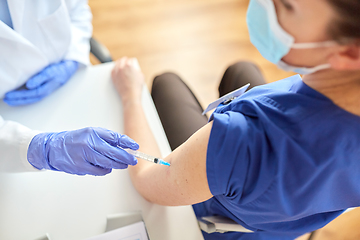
197 39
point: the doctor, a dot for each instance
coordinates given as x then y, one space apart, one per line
42 44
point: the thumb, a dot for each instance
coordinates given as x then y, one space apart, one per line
38 79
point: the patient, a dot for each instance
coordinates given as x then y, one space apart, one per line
281 160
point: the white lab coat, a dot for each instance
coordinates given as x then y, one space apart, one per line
45 32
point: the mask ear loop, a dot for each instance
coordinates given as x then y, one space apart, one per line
300 70
329 43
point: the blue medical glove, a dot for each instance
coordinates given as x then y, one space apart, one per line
43 83
91 151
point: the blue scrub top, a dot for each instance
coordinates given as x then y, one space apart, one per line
282 160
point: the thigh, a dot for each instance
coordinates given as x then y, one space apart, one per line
178 108
238 75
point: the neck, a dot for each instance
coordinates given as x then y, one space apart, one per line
342 87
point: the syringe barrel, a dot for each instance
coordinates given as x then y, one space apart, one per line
141 155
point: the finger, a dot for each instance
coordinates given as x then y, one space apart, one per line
70 65
126 142
38 79
112 152
22 94
41 91
98 171
116 139
118 65
122 62
136 64
95 158
78 167
86 168
115 153
23 97
21 101
115 70
129 62
15 94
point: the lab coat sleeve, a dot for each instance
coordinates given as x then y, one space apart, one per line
14 142
81 31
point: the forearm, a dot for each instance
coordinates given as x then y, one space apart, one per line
182 183
137 127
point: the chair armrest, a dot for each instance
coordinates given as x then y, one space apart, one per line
100 51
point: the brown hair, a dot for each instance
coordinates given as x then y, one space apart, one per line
347 23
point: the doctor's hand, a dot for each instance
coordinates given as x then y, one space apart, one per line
89 150
43 83
128 79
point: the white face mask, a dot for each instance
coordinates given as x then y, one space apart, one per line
272 41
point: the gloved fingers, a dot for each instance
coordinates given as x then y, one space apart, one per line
89 169
16 94
94 170
81 167
43 90
112 152
66 69
39 79
116 139
126 142
21 101
70 65
97 159
97 171
61 72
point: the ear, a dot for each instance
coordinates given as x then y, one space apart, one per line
346 58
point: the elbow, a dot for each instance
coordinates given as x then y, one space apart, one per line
150 190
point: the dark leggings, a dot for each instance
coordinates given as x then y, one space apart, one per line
180 111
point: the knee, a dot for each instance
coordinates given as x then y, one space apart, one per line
163 80
243 66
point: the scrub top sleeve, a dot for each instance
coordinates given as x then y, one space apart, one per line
227 154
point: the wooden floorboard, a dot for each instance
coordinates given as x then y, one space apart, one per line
197 39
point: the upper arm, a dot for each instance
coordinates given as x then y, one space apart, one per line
185 181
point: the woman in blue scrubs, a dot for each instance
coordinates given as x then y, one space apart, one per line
282 159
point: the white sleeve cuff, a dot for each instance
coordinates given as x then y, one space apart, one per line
14 142
23 147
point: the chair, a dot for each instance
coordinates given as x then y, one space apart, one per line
100 51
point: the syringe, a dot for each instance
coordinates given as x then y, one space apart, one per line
146 157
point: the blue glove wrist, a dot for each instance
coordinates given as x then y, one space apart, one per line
37 151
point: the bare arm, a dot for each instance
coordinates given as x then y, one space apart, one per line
185 181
